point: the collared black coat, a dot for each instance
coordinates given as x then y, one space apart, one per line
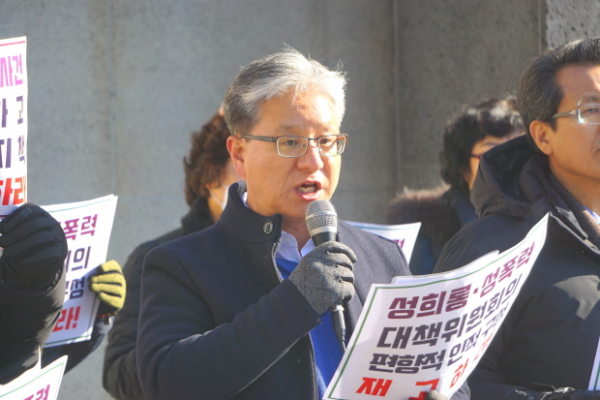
551 333
218 322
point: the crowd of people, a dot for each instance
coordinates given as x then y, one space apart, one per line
237 302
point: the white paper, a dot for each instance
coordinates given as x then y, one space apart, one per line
87 226
36 384
595 377
428 332
405 234
13 124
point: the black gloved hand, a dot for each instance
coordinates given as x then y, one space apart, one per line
435 395
324 276
35 248
565 393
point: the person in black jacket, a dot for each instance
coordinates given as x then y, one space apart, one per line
550 336
208 173
32 281
241 310
444 210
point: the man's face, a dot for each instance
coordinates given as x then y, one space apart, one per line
278 185
573 149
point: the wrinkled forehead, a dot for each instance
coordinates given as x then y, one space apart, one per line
299 113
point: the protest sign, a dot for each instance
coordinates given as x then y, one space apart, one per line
36 384
87 226
595 377
428 332
13 124
405 234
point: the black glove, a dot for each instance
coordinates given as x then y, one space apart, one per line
565 393
324 276
109 284
435 395
35 248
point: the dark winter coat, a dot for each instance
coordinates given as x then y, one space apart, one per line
27 318
441 212
119 371
217 322
551 333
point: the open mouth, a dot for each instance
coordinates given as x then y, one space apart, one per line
308 188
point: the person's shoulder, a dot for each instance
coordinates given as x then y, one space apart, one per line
372 247
350 232
480 237
418 206
192 246
136 258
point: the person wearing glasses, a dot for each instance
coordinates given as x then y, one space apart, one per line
240 310
550 336
446 209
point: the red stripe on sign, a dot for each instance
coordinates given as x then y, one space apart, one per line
10 44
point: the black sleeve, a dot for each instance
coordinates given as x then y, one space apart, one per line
119 372
27 318
181 350
76 352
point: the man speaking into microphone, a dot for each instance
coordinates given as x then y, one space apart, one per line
242 310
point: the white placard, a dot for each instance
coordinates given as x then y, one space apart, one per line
595 377
405 234
13 124
36 384
87 226
428 332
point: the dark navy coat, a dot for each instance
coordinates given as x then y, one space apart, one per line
218 322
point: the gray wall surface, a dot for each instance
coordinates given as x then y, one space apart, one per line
117 86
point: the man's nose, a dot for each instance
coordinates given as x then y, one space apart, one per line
312 158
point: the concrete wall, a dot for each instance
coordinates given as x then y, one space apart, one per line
116 87
451 53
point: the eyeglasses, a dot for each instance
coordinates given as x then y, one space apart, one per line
477 156
295 146
588 113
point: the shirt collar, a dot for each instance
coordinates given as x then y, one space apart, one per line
288 250
594 215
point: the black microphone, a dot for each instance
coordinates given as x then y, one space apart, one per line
321 220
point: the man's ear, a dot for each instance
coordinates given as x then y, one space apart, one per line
541 133
236 148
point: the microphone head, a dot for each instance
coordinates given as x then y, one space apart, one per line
321 217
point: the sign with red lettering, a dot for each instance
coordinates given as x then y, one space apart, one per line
13 124
87 226
428 332
404 234
36 384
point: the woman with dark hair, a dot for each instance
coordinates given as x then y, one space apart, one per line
444 210
208 174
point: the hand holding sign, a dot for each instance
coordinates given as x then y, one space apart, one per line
110 287
34 248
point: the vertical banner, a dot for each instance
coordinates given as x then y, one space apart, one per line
428 332
13 124
36 384
87 226
405 234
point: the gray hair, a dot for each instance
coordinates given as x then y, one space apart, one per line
274 75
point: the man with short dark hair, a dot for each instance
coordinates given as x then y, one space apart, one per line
550 336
